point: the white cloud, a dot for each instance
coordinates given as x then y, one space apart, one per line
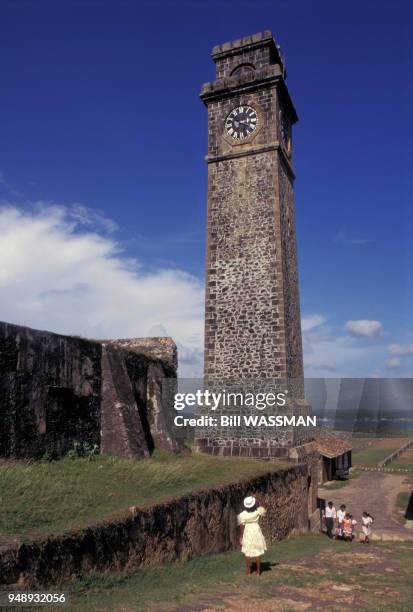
311 321
393 363
364 328
400 358
399 349
91 218
343 238
331 353
60 270
9 189
336 355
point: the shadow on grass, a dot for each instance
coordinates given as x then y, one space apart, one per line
266 566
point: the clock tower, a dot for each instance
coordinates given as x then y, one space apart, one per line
252 308
252 314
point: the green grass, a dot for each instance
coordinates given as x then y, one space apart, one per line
178 582
339 484
400 466
404 465
370 457
39 498
209 581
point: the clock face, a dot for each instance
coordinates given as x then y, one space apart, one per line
241 122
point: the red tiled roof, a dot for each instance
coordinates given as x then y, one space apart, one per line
330 445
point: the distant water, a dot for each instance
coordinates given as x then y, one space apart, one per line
384 425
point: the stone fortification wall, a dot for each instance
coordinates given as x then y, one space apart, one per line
197 524
57 390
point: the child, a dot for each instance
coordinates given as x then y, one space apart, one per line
366 521
347 528
341 514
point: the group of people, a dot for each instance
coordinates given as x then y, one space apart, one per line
341 525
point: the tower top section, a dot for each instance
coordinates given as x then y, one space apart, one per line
249 64
252 52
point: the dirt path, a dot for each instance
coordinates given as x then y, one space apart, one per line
375 492
363 579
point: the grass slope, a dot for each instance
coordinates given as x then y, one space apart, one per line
39 498
369 452
370 457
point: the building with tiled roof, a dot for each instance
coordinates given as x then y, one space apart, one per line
335 455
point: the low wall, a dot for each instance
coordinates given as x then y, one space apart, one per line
396 454
201 523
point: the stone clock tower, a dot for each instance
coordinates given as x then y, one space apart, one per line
252 318
252 313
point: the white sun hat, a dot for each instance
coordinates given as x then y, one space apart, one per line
249 502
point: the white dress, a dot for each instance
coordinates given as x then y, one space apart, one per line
366 524
253 542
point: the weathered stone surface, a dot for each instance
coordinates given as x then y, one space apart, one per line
252 312
252 308
57 390
123 430
49 392
160 420
197 524
162 348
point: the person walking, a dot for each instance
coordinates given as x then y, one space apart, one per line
330 516
253 543
341 515
366 522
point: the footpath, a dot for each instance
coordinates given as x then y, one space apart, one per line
375 493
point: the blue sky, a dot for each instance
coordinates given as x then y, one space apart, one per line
103 139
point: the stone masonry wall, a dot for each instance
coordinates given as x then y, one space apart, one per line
252 311
244 335
252 322
56 390
161 348
257 51
197 524
293 341
49 392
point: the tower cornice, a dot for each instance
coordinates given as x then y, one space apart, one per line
248 44
251 150
236 85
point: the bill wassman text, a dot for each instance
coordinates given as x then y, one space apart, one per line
246 420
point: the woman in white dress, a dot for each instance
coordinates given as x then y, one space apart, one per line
366 523
252 541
